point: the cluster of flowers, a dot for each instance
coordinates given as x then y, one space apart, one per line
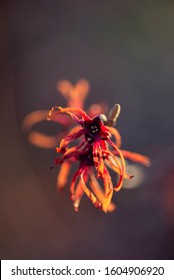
88 139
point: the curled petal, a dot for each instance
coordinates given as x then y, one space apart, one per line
116 134
98 192
112 159
68 139
33 118
54 116
75 129
70 154
123 167
110 162
82 87
75 95
107 200
78 94
136 157
73 112
73 183
63 175
43 141
90 195
98 158
104 133
108 190
107 182
78 195
64 87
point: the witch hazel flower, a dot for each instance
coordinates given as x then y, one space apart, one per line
88 139
90 143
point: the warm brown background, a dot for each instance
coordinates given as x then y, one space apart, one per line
126 50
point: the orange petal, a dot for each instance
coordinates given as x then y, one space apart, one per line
111 164
64 87
112 159
78 94
69 138
78 195
82 86
107 201
43 141
73 183
136 157
116 134
107 181
75 95
63 175
70 111
33 118
95 154
123 167
58 118
90 195
75 129
99 193
98 159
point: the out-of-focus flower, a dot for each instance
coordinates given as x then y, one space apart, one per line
96 153
75 96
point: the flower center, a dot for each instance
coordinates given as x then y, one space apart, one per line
94 129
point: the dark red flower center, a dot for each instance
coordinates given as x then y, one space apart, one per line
93 128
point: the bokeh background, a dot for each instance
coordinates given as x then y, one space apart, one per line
126 51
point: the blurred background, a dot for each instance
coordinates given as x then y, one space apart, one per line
125 49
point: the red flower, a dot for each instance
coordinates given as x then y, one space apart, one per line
95 153
93 143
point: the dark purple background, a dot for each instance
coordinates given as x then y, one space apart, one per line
126 51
